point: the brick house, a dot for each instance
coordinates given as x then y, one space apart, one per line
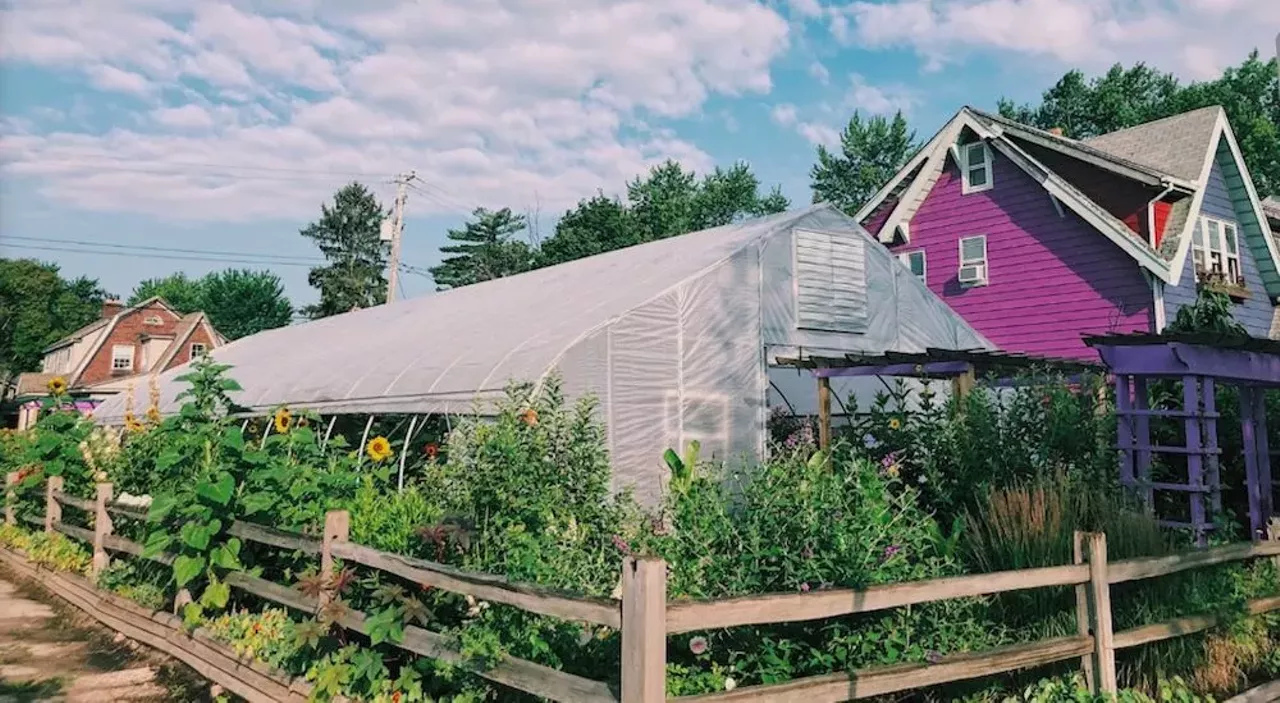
111 353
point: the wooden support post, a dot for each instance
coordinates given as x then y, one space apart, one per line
964 384
52 508
1249 441
1195 457
1264 455
1142 441
1104 653
101 528
1082 610
1124 430
824 412
10 497
1209 427
644 630
337 527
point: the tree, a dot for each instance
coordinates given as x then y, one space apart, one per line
238 302
181 293
347 233
669 201
37 308
1249 93
871 152
241 302
485 249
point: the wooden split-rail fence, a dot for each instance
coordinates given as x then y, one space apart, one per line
646 618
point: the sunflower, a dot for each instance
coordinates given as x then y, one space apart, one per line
282 420
379 449
131 423
153 415
895 423
57 386
529 417
303 422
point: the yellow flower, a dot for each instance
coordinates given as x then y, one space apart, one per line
131 423
895 423
283 419
153 415
530 417
57 386
892 470
379 449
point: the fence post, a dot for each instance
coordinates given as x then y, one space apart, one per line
1082 610
101 528
10 497
644 630
52 508
337 526
1104 653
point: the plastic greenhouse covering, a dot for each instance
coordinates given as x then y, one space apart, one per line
674 337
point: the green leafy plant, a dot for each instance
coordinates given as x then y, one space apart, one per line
54 551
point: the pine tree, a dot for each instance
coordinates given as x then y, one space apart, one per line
485 249
348 236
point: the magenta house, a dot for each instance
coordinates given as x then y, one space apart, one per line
1036 239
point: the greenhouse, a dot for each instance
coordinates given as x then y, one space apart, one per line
676 338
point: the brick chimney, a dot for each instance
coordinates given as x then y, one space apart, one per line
111 308
1056 131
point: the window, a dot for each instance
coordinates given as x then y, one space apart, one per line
122 357
914 260
973 260
1216 249
197 350
976 167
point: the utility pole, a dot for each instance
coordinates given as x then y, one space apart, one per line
396 229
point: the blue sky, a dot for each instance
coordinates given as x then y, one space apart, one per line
220 126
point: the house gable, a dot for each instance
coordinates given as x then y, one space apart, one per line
127 329
1050 275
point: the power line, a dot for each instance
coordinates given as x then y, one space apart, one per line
175 257
143 247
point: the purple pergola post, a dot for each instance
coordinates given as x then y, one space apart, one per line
1257 465
1195 456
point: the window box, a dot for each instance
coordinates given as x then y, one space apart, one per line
1219 282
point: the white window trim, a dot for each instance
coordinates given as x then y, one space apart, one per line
1206 249
204 348
120 352
905 258
965 187
984 261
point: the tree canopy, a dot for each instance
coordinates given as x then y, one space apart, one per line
871 152
37 308
483 249
239 302
348 234
1249 93
666 202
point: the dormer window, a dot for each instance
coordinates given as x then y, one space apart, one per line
975 167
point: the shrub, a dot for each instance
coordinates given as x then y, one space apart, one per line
54 551
14 537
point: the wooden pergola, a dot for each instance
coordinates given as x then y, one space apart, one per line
963 367
1200 362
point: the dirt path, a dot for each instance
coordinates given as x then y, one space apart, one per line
51 652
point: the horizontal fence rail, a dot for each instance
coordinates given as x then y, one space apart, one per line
646 617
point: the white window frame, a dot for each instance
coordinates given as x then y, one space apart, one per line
967 169
204 348
122 353
905 258
1205 257
983 261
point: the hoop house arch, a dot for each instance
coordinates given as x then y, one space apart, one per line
675 337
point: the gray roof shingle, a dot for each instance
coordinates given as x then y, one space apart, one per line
1175 145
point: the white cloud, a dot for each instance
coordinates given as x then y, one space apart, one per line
807 8
823 128
114 80
1195 39
820 72
784 114
497 102
876 100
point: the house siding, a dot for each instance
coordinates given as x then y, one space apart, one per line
1052 278
199 335
1256 312
129 329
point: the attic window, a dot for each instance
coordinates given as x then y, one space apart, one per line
830 282
1215 246
197 350
975 168
122 357
153 320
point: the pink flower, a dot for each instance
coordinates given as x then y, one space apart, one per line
804 587
621 544
891 550
698 645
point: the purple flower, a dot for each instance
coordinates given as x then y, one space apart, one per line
889 459
621 544
804 587
891 550
698 645
933 657
870 442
